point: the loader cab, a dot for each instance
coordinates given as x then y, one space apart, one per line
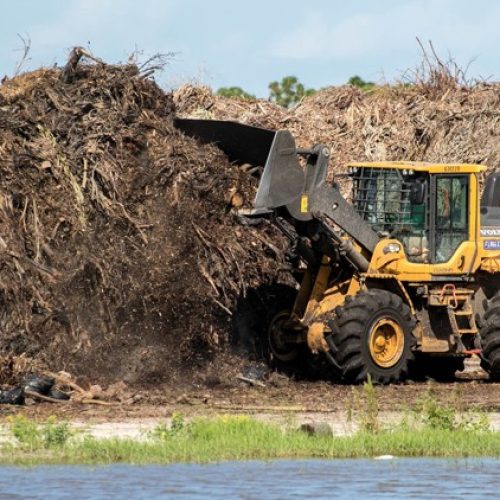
396 204
425 208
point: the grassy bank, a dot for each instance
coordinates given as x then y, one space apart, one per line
431 429
240 438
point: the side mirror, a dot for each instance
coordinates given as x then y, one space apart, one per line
417 192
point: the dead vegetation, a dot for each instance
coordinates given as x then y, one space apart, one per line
120 257
434 114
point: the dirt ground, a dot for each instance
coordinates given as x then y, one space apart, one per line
273 398
280 399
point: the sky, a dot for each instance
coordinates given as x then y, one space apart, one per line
249 44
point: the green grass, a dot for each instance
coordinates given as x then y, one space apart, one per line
432 429
242 438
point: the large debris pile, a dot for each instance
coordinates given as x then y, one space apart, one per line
438 120
119 254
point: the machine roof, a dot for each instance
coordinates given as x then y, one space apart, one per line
435 168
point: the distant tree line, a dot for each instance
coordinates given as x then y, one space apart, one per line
289 91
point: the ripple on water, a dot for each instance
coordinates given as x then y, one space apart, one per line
405 477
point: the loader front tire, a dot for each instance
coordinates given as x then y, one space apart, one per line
292 359
276 351
490 338
279 351
372 337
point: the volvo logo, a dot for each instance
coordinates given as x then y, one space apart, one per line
490 232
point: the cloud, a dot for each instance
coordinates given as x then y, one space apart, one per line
389 28
106 24
321 41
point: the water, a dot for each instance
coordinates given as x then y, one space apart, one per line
408 478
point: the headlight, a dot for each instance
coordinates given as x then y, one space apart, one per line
392 248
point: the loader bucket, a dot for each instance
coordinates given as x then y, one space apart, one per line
283 178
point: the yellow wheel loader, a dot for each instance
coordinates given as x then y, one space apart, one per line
400 277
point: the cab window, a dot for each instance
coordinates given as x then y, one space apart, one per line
452 227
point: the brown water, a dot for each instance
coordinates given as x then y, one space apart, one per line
399 478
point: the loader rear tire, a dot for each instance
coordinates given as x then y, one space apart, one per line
372 337
490 338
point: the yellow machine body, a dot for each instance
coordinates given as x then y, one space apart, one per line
392 270
405 273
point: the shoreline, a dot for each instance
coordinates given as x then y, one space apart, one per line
254 423
438 432
268 443
137 428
